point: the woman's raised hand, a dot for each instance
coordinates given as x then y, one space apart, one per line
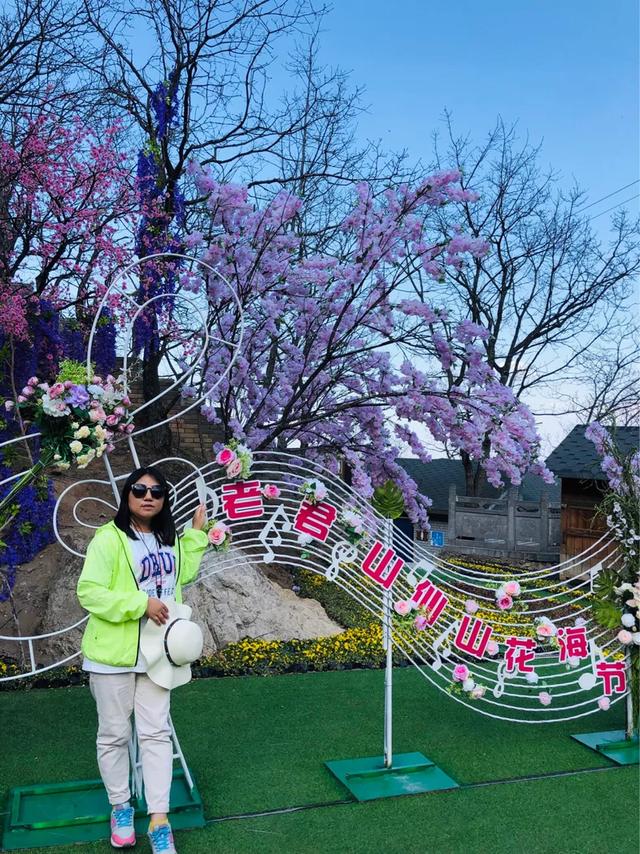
199 518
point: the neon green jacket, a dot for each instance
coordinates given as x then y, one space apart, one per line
108 590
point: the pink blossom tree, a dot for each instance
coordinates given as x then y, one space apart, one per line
325 364
66 207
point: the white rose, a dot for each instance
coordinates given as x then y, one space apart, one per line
628 621
636 638
75 447
468 684
83 432
532 677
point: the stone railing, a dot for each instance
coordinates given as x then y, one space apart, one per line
504 527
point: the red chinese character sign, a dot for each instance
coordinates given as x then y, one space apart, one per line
521 647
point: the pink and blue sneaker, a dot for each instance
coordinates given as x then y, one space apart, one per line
161 839
123 833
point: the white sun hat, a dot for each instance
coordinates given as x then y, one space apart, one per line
169 649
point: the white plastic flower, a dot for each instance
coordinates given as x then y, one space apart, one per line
628 621
75 447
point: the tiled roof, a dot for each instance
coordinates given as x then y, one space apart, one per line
433 479
576 456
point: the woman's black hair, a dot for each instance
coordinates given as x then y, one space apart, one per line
162 524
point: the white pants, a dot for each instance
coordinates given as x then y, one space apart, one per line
117 696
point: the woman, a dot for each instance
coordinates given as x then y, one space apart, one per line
134 564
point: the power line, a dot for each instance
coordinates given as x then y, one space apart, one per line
613 207
608 196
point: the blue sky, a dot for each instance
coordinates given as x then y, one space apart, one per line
567 71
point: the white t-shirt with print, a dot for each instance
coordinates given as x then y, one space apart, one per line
155 569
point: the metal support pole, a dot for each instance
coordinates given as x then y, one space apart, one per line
630 726
387 645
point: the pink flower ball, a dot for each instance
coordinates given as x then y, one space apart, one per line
270 490
492 648
545 698
604 703
225 456
217 535
402 607
625 637
460 673
420 622
504 602
471 606
512 588
234 468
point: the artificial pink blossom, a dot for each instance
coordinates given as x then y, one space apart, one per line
604 703
492 648
460 673
420 622
624 637
471 606
217 535
511 588
402 607
225 456
270 490
504 602
234 468
546 630
545 698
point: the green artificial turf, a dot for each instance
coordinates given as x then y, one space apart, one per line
259 744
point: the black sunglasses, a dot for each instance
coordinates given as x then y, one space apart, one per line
141 489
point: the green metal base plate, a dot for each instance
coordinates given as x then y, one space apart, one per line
410 774
62 813
613 745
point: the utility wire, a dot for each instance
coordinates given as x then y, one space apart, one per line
613 207
608 196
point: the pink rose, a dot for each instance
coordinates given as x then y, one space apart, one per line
512 588
625 637
68 383
420 622
234 468
32 381
130 428
545 698
21 398
402 607
119 410
504 602
545 630
604 703
97 381
460 673
56 390
27 391
217 535
97 414
225 456
471 606
112 420
270 490
493 648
